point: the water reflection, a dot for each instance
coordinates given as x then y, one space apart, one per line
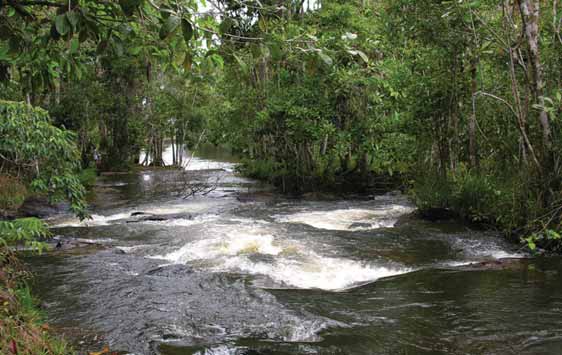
205 157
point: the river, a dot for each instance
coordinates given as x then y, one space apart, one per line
243 270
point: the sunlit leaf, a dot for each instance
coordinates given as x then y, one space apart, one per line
326 58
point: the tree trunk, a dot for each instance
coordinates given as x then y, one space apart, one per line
530 13
472 143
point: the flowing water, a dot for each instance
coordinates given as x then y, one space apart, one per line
242 270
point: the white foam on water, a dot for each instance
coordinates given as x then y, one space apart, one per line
502 254
112 184
184 222
287 262
232 244
350 219
219 350
316 272
95 241
104 220
247 220
95 220
171 209
307 331
457 263
476 250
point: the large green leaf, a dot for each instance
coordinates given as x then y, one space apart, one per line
4 52
170 25
54 33
73 18
62 25
187 30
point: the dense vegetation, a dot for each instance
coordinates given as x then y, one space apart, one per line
40 159
457 102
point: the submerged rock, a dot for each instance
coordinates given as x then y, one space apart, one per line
66 244
119 251
499 264
360 225
37 206
138 214
437 214
147 217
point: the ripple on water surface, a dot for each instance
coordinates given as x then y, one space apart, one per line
221 276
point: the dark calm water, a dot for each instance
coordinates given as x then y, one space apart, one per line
244 271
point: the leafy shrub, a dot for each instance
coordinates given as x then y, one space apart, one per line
504 203
28 232
431 191
45 156
474 197
88 177
261 169
547 239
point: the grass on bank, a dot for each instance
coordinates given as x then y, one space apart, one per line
22 329
506 204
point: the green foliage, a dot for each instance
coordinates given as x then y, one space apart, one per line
88 177
309 104
261 169
28 232
506 204
547 239
431 191
45 156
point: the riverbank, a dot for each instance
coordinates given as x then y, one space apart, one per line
23 329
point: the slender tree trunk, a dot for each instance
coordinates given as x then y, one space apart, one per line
518 108
472 143
173 150
530 13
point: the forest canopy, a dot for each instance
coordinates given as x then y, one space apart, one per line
458 102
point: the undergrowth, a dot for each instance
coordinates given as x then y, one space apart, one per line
22 330
502 203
